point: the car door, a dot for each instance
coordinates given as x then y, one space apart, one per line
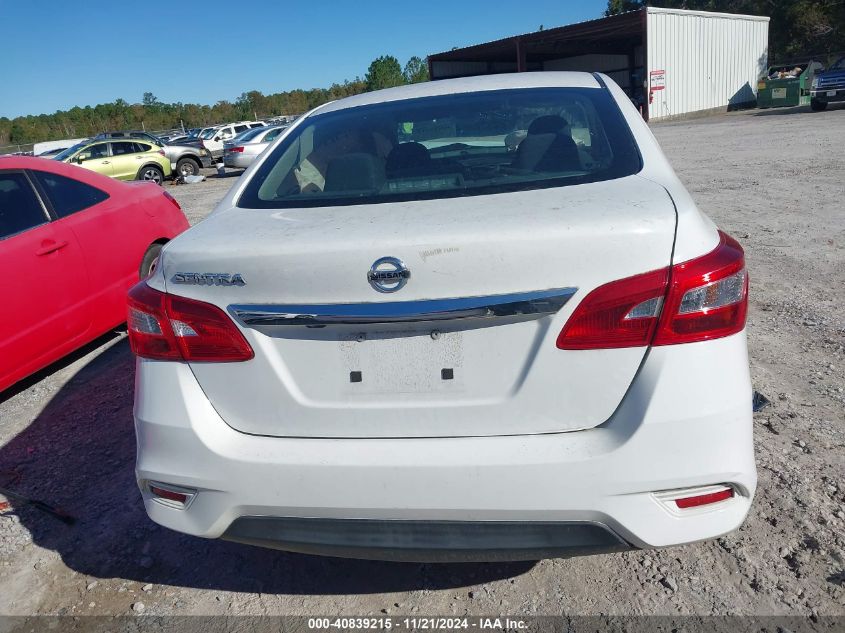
44 292
96 157
126 159
108 232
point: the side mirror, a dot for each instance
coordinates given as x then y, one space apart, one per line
216 138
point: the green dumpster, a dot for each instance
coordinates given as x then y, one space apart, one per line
787 85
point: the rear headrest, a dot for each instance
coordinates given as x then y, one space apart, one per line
549 124
408 156
358 171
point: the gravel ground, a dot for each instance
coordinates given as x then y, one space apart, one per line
773 179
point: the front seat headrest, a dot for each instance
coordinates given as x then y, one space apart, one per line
355 172
549 124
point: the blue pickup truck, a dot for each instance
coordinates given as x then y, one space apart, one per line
828 86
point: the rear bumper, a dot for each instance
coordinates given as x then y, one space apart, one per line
238 161
433 541
685 422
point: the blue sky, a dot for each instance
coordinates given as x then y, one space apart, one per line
58 54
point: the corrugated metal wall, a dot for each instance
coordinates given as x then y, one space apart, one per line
710 60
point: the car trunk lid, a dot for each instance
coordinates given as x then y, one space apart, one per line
466 346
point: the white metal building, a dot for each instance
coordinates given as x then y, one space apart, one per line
671 62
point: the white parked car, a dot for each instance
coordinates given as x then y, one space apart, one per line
241 151
401 336
213 138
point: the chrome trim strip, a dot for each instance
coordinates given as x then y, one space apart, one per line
535 304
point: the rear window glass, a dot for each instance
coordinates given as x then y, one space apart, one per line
272 134
447 146
123 147
249 134
68 195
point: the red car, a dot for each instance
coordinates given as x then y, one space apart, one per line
72 242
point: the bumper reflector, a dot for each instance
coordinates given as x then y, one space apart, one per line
177 497
704 499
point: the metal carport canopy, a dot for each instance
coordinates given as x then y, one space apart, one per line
618 34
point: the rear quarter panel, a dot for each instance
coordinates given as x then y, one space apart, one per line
696 234
114 236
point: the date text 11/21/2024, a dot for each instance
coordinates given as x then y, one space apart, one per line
417 623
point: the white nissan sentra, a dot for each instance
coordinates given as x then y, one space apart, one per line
471 319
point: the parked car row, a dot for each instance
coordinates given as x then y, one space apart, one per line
241 151
213 138
186 157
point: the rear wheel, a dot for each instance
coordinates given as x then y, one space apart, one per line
151 172
817 106
149 261
187 167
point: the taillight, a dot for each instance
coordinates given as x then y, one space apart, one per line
239 150
172 199
166 327
708 296
697 300
622 313
161 151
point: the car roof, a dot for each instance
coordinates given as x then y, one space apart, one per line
125 132
107 184
116 139
561 79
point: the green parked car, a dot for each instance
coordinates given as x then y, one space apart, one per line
124 159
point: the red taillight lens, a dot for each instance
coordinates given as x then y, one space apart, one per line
161 151
150 335
170 495
622 313
706 298
705 499
238 150
167 327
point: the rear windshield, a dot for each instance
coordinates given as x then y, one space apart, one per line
246 135
446 146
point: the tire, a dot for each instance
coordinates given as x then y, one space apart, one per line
148 262
817 106
187 167
151 172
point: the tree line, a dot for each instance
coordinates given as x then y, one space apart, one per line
798 28
152 114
